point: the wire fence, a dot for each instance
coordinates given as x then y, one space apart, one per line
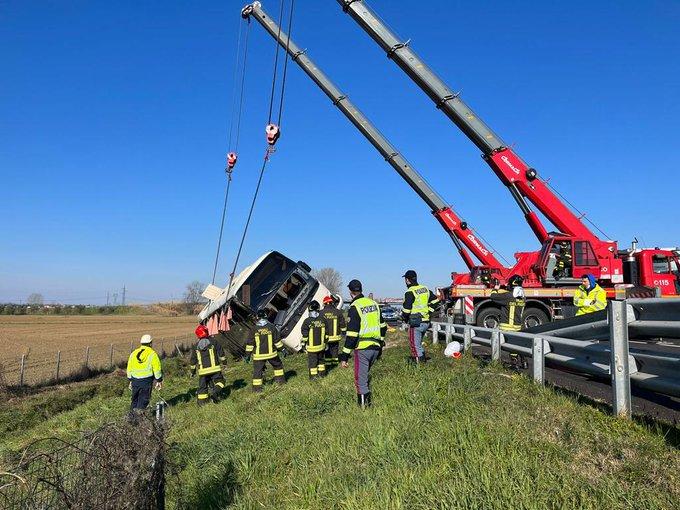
120 465
69 364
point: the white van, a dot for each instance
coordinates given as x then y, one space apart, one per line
275 283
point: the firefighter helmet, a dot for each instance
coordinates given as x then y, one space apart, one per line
515 281
327 300
314 306
262 313
201 331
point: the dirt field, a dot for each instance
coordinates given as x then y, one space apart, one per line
49 334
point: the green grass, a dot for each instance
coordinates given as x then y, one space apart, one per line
450 434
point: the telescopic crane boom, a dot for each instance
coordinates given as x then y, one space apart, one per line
461 234
521 180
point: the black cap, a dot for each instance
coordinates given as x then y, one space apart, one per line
354 286
410 274
314 305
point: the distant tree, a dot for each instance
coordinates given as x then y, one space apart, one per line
35 299
330 277
192 295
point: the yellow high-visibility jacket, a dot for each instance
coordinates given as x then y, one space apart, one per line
144 362
589 301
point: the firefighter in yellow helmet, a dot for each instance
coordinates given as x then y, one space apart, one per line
143 370
589 297
314 341
264 347
206 360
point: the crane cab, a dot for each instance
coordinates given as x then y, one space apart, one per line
653 267
564 260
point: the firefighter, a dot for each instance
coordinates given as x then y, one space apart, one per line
335 328
206 360
512 304
563 262
314 340
589 297
418 305
365 336
144 371
264 346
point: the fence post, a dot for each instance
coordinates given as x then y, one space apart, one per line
87 356
111 357
496 345
538 360
179 351
58 366
21 371
618 332
435 333
467 338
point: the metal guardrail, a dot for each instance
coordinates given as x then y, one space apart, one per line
658 372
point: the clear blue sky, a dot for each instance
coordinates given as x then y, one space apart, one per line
114 119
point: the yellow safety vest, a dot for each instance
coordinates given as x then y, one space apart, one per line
371 322
421 301
144 362
597 296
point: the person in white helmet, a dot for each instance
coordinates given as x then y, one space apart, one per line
143 370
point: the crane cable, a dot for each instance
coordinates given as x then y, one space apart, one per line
235 111
270 148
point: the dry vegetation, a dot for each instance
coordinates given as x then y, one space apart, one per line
47 334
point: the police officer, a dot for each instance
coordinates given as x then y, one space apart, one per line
143 369
264 346
206 360
365 336
419 303
512 304
335 328
314 340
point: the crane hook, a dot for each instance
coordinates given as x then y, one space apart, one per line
273 133
232 157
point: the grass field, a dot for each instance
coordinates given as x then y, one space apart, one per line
450 434
46 334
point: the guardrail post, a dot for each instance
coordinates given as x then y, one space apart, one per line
21 370
447 329
58 366
618 332
435 333
538 360
496 345
467 338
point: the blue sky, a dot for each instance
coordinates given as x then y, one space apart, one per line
115 119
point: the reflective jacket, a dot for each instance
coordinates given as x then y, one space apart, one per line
511 309
589 301
265 342
144 363
335 323
206 357
314 333
366 328
418 299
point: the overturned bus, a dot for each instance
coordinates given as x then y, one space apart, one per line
273 283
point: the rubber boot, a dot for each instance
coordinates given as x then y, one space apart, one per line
423 359
257 389
364 401
281 380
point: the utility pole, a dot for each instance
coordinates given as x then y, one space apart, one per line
123 295
107 298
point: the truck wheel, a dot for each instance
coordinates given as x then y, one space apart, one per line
489 318
534 317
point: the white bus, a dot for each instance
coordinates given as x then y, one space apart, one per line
274 283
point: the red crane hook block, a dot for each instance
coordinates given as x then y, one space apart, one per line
231 160
273 133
